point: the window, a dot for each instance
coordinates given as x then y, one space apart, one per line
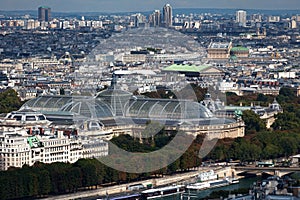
18 118
41 117
30 118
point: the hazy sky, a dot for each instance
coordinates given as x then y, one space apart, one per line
144 5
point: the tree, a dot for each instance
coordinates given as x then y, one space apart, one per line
172 168
218 153
44 182
288 145
88 171
74 178
286 121
9 101
287 95
4 185
253 121
288 92
270 151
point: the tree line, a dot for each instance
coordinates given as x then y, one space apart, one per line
282 140
42 180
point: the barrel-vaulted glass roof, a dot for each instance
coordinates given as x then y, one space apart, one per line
82 105
166 108
106 106
48 102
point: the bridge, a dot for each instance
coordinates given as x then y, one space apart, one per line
278 171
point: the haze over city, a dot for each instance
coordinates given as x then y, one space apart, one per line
138 5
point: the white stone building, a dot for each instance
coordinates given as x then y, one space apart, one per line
17 148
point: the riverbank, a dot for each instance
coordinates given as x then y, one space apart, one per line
166 180
180 178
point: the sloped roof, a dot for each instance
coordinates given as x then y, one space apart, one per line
186 68
239 48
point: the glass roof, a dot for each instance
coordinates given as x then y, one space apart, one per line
48 103
106 107
81 105
166 108
90 107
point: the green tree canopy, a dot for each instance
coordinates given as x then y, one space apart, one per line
253 121
9 101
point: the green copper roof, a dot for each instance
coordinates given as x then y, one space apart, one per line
33 141
239 49
233 57
186 68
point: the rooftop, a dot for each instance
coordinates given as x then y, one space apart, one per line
186 68
239 49
219 45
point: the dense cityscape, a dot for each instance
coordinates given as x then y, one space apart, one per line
166 104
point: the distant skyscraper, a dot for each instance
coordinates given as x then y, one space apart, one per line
155 18
256 18
44 14
241 17
137 19
167 15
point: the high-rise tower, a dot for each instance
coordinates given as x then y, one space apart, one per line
241 17
167 15
44 14
155 18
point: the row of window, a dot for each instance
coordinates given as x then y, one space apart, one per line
8 150
53 149
55 159
57 142
14 154
27 118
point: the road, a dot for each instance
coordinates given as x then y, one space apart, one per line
291 169
178 178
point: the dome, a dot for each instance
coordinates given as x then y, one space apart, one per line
212 105
275 106
117 99
88 107
113 92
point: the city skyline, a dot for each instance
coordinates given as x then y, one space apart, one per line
136 5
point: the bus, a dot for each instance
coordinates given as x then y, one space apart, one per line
135 187
264 164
